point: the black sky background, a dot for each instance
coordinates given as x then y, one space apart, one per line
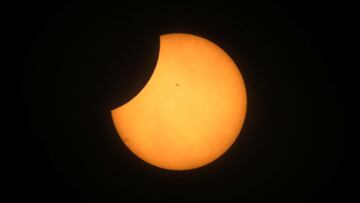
79 60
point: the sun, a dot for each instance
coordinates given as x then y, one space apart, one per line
191 110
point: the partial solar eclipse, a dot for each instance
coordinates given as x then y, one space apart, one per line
190 111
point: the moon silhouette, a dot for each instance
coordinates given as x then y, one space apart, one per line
191 110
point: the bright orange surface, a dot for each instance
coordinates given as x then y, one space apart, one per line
191 110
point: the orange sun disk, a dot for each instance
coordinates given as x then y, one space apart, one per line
191 110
